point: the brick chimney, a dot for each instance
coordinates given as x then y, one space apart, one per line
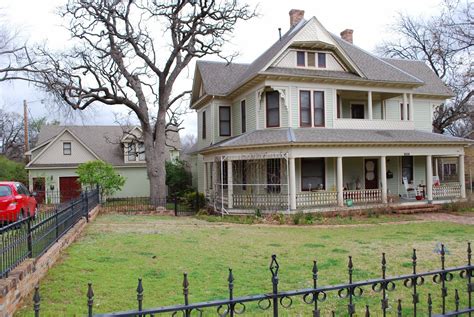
346 35
296 16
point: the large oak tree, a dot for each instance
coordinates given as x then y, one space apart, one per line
131 53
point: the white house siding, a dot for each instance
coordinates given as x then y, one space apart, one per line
209 117
353 170
54 154
236 116
393 165
51 177
419 170
251 104
422 114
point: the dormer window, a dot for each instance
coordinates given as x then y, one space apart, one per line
311 59
301 58
136 152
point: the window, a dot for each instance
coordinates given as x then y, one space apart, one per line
300 58
311 110
407 168
319 109
203 125
5 191
67 148
243 116
311 59
322 60
401 111
141 151
273 176
305 108
449 169
313 174
132 153
273 109
224 121
357 111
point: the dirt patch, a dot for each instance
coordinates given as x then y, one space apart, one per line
444 217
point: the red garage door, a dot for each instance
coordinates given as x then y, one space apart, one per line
69 188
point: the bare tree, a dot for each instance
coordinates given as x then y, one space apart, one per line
445 42
132 52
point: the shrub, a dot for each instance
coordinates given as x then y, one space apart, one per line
194 200
102 174
258 213
297 218
279 217
308 218
12 171
178 178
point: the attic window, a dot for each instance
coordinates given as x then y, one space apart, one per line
67 149
300 58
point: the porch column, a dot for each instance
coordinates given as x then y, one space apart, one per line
340 188
369 104
292 184
429 178
461 175
405 107
411 107
436 167
383 172
230 185
205 179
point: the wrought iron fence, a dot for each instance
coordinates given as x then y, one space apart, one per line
31 237
274 302
178 206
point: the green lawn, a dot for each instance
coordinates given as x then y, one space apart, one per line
117 249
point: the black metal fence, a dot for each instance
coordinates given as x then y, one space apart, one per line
177 205
275 302
31 237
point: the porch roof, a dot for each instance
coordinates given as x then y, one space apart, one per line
307 136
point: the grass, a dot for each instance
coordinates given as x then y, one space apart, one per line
117 249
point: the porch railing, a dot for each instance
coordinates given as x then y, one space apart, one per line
447 190
364 195
319 198
263 201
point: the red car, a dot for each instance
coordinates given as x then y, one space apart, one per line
16 202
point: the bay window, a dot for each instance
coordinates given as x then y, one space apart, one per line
312 108
273 108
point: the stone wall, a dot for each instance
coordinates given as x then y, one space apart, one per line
22 280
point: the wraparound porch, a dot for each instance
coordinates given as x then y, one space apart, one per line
279 182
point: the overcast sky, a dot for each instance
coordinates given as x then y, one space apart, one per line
37 21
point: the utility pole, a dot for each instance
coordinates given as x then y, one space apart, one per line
25 122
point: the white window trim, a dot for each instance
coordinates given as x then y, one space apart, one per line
265 109
70 148
316 64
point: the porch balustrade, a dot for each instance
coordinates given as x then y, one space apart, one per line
263 201
319 198
447 190
364 195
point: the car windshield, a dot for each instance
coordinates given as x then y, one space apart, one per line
5 191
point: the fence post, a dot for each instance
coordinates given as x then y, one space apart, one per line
29 239
274 267
175 201
36 301
86 204
57 222
196 201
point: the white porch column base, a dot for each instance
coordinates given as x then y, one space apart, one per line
339 177
462 180
292 184
230 185
429 178
383 172
369 105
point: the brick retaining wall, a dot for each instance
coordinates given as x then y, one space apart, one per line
22 280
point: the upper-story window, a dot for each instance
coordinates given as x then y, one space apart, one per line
135 152
312 108
308 59
224 121
272 108
203 126
67 148
243 116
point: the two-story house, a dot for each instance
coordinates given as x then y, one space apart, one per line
316 121
60 150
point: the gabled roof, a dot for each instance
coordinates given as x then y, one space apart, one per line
317 136
221 79
103 141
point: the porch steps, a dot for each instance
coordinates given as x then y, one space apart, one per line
413 209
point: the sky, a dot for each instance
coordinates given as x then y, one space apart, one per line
37 21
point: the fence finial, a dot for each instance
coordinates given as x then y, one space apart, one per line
399 308
140 294
367 311
90 299
230 279
185 288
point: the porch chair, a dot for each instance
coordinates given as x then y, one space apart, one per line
410 192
